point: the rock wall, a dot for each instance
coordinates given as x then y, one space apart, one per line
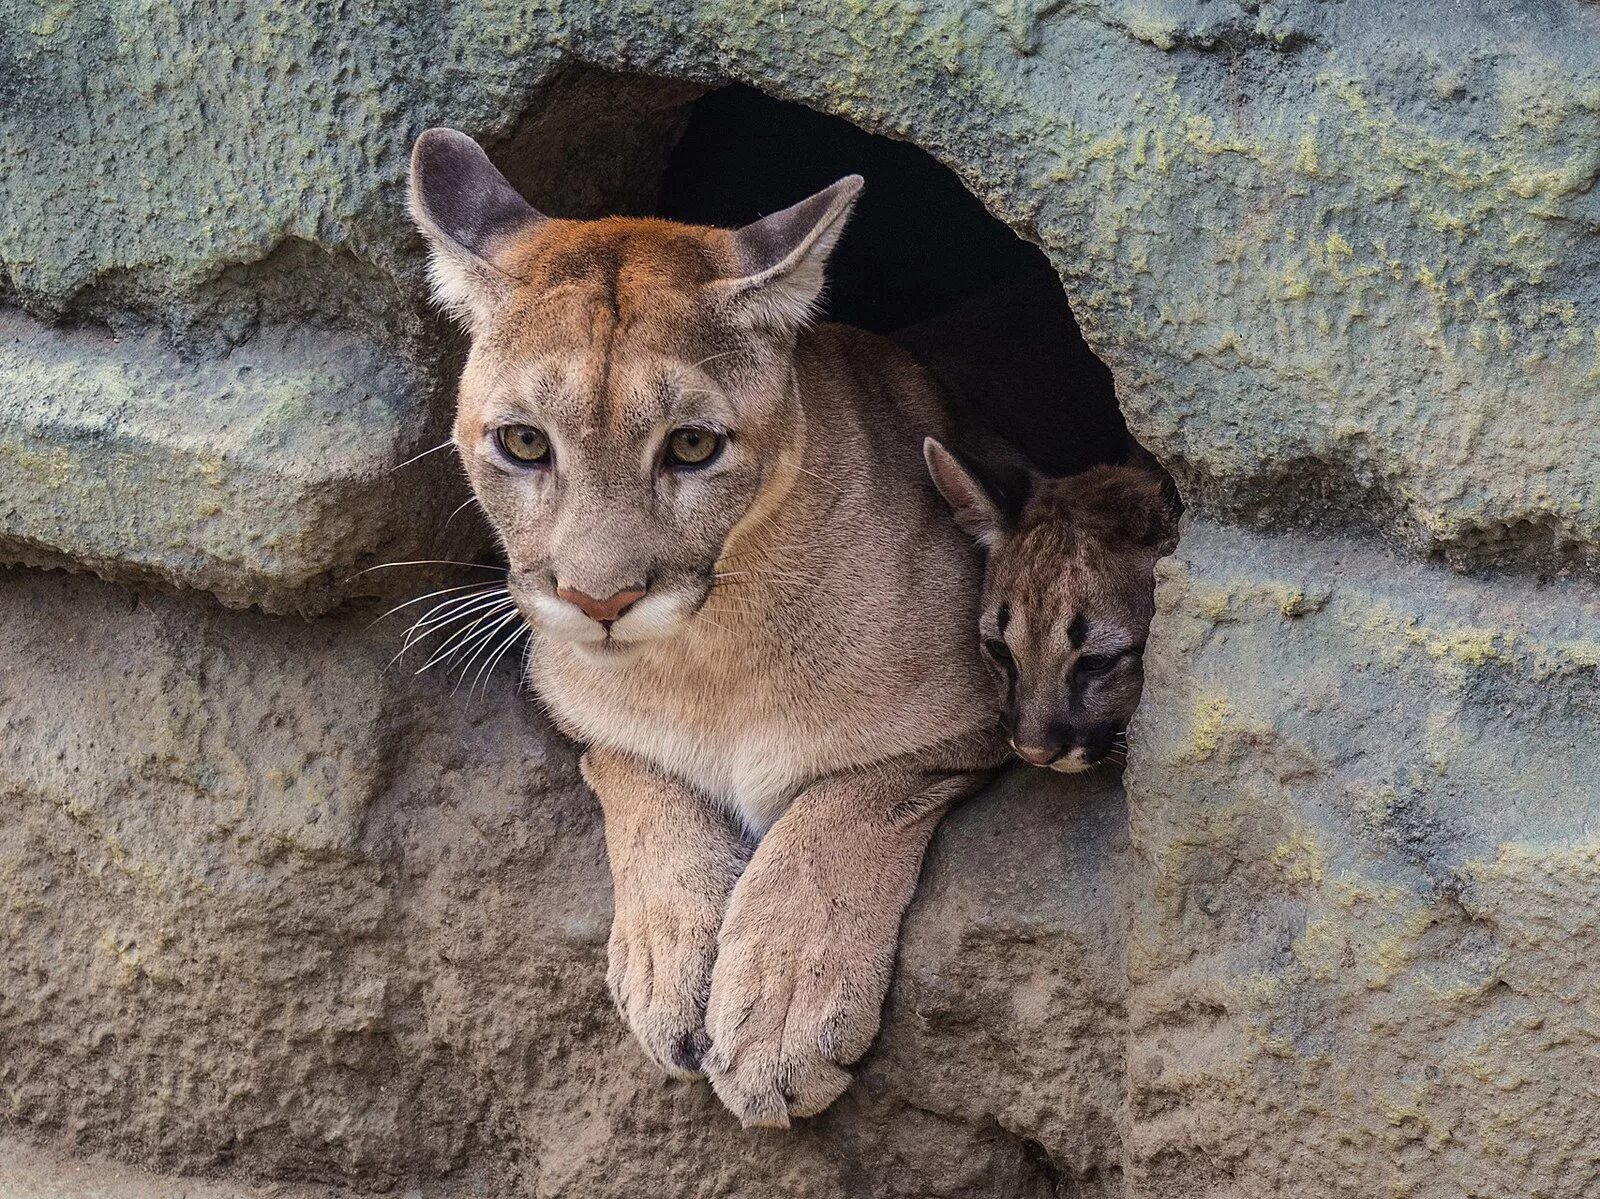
276 912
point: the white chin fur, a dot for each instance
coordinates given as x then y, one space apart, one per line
651 619
1072 762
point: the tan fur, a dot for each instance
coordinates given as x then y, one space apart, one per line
800 670
1069 586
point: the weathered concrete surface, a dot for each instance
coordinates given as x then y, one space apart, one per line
266 477
1364 945
27 1172
232 398
269 912
1341 257
267 907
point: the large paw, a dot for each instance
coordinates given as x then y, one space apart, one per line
661 954
793 1002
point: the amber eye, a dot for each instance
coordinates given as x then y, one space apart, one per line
524 444
690 446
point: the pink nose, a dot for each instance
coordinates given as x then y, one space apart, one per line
1035 756
603 610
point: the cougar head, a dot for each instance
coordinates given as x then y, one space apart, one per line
627 405
1068 595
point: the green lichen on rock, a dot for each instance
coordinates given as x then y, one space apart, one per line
1336 255
270 910
1368 844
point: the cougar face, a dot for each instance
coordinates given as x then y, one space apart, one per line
1067 601
626 405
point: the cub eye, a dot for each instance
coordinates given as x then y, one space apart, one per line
999 651
1091 664
524 444
690 446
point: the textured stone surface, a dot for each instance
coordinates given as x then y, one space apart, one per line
1367 228
1364 944
271 913
266 477
270 907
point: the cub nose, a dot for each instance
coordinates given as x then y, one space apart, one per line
603 610
1037 755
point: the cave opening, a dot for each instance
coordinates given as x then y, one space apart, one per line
922 261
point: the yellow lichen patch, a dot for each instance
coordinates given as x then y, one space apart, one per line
1518 861
1305 158
1299 859
1211 716
1321 949
1337 250
52 467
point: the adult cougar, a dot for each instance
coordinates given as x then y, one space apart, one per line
1067 599
745 598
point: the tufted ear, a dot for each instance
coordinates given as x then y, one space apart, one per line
782 257
469 214
975 509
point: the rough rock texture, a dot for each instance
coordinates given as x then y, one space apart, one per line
271 906
1364 945
270 912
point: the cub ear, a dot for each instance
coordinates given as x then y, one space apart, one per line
975 509
781 257
469 214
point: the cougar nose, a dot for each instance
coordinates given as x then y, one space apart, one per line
603 610
1036 755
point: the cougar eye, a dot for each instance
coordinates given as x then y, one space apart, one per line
690 446
1091 664
999 651
524 444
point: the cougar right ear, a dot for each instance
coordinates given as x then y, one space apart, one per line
781 258
469 214
975 510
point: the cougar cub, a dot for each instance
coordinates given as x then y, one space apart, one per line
1067 600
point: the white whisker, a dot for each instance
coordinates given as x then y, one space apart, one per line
458 641
431 594
427 562
465 607
471 499
486 673
419 457
481 645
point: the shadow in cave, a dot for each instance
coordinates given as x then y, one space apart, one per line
922 260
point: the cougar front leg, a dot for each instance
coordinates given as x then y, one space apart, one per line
673 861
808 943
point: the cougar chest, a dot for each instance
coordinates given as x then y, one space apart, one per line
720 735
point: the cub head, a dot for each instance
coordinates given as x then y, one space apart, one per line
1067 600
627 406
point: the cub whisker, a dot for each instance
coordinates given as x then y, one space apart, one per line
466 503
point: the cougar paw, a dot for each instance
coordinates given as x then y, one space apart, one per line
659 976
784 1022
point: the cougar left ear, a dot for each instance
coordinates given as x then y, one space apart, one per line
975 509
469 213
781 257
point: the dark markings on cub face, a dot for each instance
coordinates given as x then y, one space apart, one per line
1077 631
1072 577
